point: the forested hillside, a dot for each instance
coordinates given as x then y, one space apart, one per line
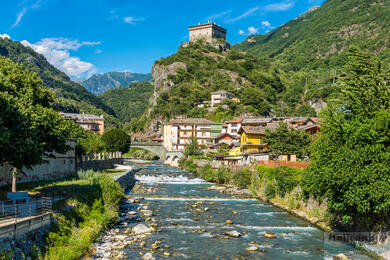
128 102
70 96
196 71
98 84
318 40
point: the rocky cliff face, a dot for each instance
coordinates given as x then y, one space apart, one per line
160 74
318 104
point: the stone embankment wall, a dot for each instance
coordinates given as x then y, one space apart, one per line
21 237
98 165
127 179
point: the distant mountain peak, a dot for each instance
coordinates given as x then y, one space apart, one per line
100 83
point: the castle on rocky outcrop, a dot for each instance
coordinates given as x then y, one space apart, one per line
210 32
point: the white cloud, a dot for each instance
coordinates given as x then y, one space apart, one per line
283 6
266 23
4 36
98 51
253 30
241 32
244 15
56 51
19 17
218 15
132 20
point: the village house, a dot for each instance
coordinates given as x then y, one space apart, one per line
252 137
231 127
179 132
218 96
86 121
307 124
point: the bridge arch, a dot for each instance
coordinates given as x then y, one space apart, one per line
154 148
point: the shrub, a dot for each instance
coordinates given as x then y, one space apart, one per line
88 174
286 179
116 140
269 191
242 179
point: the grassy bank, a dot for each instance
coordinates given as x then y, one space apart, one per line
85 205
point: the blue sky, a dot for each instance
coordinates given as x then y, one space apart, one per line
83 37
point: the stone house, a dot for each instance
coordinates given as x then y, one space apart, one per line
218 96
86 121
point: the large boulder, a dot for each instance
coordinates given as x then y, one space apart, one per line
140 229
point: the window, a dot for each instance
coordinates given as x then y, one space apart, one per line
234 125
234 130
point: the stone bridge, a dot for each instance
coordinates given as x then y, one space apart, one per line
156 148
172 158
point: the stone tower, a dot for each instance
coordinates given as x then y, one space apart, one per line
208 31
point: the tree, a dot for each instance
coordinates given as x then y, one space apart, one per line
116 140
285 140
29 127
192 148
350 163
89 143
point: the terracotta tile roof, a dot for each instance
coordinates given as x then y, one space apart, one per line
224 134
299 119
237 120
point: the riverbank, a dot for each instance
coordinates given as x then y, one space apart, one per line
277 186
84 205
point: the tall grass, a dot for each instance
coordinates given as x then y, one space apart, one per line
83 216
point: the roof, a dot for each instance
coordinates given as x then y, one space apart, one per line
256 120
299 119
306 127
206 25
316 120
258 130
220 92
74 116
223 134
192 121
237 120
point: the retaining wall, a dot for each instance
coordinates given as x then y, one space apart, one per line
127 179
98 165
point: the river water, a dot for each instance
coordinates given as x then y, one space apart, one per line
191 222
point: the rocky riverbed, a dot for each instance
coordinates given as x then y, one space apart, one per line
172 214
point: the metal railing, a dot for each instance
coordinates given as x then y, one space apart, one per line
10 209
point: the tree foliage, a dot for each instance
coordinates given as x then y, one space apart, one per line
116 140
350 160
192 148
29 126
286 140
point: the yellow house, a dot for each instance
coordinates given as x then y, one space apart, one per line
252 138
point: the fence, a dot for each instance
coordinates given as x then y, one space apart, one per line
99 156
13 209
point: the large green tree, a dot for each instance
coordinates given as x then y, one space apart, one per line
351 159
285 140
116 140
29 127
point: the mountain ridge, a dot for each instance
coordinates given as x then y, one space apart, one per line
100 83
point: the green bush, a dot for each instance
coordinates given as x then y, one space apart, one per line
242 179
206 172
269 191
116 140
88 174
286 179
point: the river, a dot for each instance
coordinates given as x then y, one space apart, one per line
191 223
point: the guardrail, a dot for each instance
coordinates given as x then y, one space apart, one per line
10 209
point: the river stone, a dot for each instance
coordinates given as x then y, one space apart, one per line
148 256
233 233
140 229
269 236
132 213
340 257
148 213
229 222
252 248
